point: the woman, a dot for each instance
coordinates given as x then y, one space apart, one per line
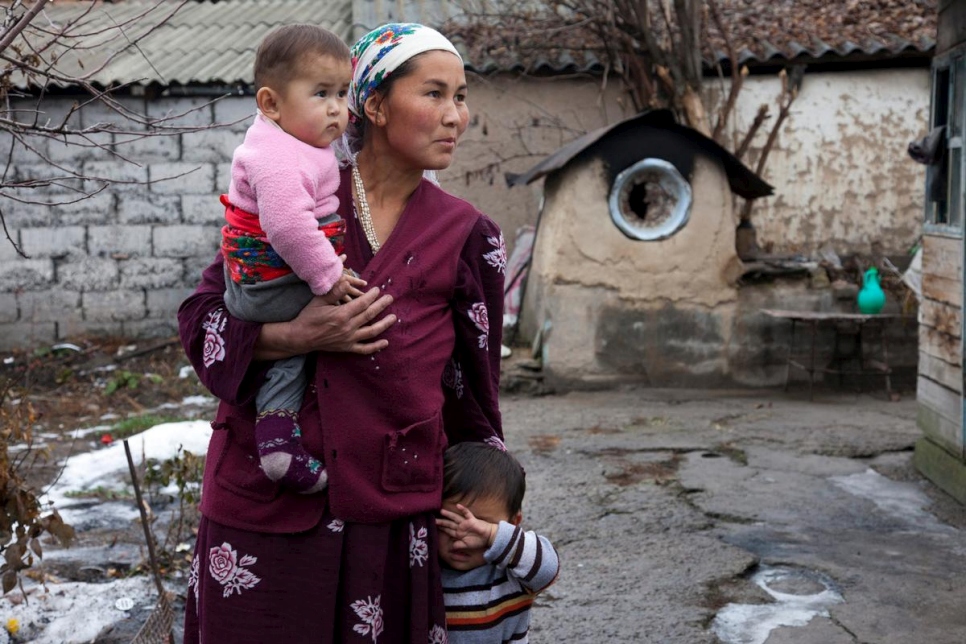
400 372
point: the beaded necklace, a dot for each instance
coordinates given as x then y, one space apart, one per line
365 217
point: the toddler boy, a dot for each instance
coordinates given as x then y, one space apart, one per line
492 569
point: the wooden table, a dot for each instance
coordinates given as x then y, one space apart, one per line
857 321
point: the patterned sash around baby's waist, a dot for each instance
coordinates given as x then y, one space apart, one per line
248 254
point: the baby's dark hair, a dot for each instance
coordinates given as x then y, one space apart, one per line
477 471
282 53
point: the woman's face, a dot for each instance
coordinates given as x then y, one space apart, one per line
425 112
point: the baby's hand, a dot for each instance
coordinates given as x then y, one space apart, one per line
465 529
345 289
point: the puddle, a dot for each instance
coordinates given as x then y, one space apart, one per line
799 595
901 500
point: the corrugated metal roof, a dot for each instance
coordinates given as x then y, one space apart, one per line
193 42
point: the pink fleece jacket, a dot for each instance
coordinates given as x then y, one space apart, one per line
289 185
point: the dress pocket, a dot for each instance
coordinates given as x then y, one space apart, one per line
413 457
237 467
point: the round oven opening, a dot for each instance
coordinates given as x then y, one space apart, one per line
650 200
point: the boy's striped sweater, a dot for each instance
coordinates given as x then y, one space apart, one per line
491 604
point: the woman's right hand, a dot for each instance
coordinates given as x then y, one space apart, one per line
327 327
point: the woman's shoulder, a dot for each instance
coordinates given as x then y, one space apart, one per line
448 202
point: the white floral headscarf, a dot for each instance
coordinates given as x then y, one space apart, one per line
381 51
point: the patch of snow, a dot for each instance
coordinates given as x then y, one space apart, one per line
75 612
198 400
107 469
186 371
902 500
753 623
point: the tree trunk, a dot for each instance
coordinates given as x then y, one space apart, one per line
694 111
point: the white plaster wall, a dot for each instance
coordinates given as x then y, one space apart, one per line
840 167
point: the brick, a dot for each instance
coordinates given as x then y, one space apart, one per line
211 146
151 328
195 265
222 178
7 251
57 241
45 179
52 111
26 274
99 113
147 208
9 309
164 302
181 112
74 328
115 175
23 215
114 306
72 149
182 178
186 241
23 336
51 305
94 210
153 148
27 150
107 241
235 112
88 274
151 273
202 209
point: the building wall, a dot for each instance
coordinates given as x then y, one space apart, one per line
841 172
122 261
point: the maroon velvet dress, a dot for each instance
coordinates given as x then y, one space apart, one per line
358 562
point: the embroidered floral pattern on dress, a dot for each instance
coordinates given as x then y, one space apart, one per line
494 441
437 635
336 525
193 578
453 377
497 258
370 612
481 319
418 550
214 326
227 570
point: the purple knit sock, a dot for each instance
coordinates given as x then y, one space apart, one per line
283 457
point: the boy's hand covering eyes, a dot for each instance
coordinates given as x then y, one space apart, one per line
465 529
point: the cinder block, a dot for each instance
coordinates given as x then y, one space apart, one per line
57 241
151 273
8 308
72 149
186 241
151 328
25 215
235 112
51 111
148 208
18 335
107 241
182 178
164 302
152 147
7 251
44 179
88 274
51 305
202 209
181 112
94 210
74 328
222 178
26 149
210 146
194 266
26 275
115 175
113 306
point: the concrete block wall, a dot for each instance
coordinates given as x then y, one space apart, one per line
121 261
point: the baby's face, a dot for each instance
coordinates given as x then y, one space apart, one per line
313 107
488 509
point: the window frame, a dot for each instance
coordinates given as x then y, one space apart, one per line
948 62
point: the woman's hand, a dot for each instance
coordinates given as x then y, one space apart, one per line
327 327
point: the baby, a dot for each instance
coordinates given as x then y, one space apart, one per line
492 569
282 238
